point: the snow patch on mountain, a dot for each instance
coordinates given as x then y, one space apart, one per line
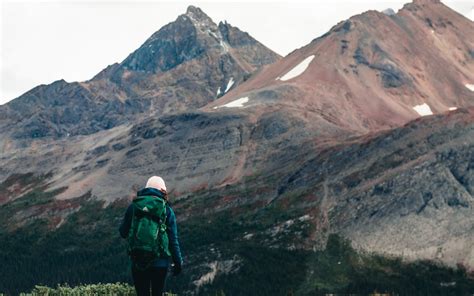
453 108
220 39
470 86
224 45
298 70
212 34
199 22
235 104
423 109
205 25
229 84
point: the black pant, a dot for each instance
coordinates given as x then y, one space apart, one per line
154 276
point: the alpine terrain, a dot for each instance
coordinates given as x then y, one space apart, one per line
345 167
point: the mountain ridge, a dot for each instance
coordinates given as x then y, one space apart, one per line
325 140
374 63
179 67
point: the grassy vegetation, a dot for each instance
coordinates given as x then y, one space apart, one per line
340 269
259 268
87 249
116 289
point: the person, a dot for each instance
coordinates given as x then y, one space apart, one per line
154 273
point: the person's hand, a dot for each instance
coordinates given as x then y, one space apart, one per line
176 269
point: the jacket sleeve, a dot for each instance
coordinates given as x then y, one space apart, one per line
126 222
172 229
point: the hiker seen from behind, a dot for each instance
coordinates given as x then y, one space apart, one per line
149 225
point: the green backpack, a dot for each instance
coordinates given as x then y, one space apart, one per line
148 239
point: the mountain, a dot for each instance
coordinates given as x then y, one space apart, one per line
318 181
374 71
185 65
405 192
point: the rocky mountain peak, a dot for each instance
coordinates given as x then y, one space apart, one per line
170 46
420 4
199 19
196 13
294 143
423 2
189 36
200 60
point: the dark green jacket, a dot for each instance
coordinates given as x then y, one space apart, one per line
171 228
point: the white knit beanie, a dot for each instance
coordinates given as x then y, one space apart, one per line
156 182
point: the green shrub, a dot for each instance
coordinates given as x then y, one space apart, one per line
87 290
117 289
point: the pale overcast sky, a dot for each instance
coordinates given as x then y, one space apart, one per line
43 41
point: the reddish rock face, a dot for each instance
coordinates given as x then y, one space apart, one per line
305 137
369 72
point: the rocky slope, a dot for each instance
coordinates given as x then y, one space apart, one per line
280 163
185 65
405 192
375 70
194 150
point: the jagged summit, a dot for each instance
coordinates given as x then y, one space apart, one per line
196 12
199 19
183 66
420 2
374 71
189 36
192 35
193 9
276 143
416 4
207 30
